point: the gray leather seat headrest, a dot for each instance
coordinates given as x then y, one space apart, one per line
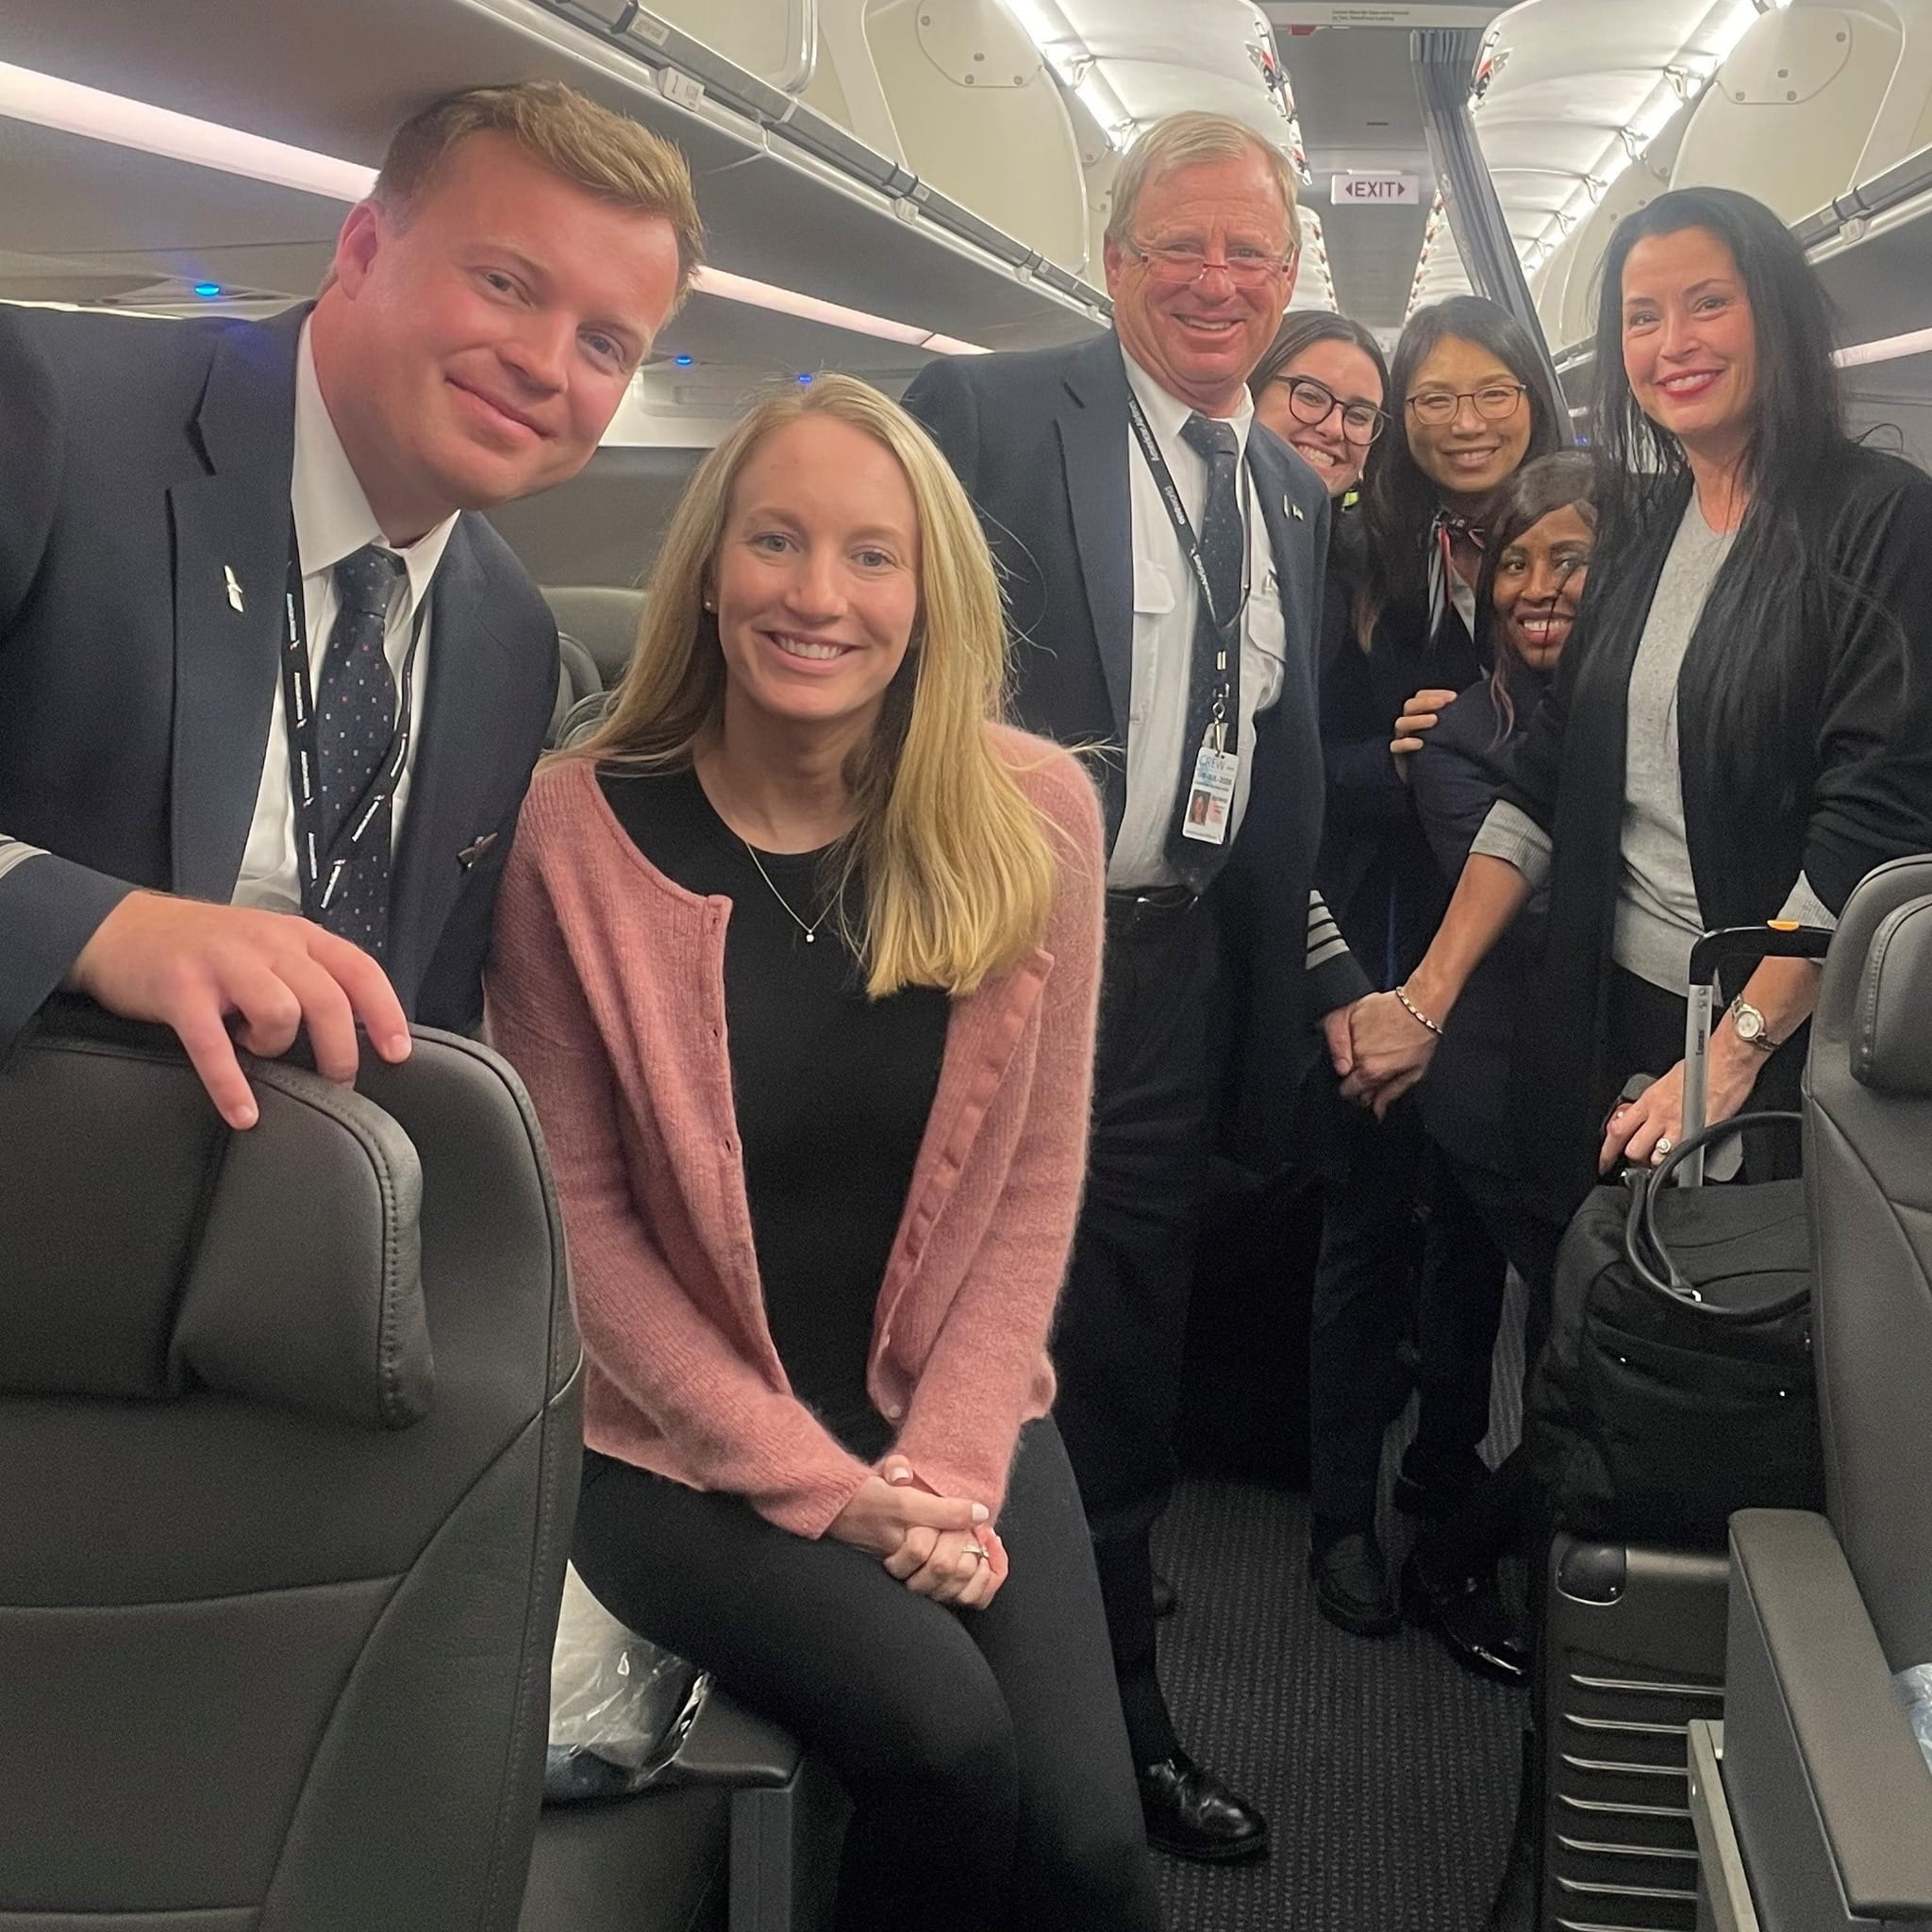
146 1250
602 618
1891 1034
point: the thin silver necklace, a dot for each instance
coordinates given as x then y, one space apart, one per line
811 931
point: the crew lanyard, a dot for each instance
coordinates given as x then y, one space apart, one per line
1226 629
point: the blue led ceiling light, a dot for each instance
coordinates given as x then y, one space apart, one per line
684 362
209 291
804 375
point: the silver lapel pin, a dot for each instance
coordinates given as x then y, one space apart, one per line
234 589
1294 509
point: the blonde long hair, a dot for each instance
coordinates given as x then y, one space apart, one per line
955 862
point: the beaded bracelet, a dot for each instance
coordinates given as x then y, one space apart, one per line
1416 1014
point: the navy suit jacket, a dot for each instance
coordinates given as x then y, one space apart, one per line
1039 439
145 460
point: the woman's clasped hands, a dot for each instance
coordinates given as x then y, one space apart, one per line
943 1547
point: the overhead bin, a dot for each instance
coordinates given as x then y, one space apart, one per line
1566 286
790 204
1788 115
980 118
776 40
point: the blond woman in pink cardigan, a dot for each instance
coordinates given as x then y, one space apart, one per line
799 958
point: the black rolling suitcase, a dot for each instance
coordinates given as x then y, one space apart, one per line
1670 1338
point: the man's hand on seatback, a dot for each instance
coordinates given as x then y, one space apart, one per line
190 965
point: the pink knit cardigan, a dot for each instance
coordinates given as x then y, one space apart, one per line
607 992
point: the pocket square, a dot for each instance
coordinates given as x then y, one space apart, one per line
470 854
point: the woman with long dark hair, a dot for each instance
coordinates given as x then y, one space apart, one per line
1740 731
1469 403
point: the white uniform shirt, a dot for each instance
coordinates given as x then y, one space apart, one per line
1165 599
332 521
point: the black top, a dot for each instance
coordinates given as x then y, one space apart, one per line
1455 778
1374 868
1858 749
832 1089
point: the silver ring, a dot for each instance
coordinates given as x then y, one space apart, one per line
974 1551
1662 1147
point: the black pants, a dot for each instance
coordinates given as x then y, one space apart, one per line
1375 1251
1459 1310
1123 1322
981 1749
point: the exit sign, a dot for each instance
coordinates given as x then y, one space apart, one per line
1375 190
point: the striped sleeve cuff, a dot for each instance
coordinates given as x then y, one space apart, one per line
1324 935
1511 835
1804 905
17 852
1335 979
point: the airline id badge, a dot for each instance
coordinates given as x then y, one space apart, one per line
1211 797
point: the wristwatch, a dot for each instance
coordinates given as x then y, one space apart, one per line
1751 1027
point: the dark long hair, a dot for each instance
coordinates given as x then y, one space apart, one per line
1300 331
1401 500
1539 488
1770 594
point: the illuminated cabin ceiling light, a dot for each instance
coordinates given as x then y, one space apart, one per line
1917 342
66 105
72 109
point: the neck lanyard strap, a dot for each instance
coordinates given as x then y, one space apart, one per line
1183 525
320 867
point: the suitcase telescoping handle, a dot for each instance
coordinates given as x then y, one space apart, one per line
1729 946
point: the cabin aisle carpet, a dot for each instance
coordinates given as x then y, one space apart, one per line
1390 1773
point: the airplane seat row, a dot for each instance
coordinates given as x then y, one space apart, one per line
290 1426
578 679
1815 1804
596 631
290 1421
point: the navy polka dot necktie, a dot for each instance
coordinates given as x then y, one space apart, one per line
355 730
1223 538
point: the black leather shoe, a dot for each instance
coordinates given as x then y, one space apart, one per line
1193 1814
1351 1578
1165 1600
1434 1490
1466 1613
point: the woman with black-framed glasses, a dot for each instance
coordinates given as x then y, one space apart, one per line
1321 388
1468 405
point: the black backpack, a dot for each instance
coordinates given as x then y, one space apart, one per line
1676 1385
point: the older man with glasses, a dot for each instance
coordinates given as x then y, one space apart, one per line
1164 565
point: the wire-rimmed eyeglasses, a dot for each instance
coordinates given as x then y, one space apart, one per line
1494 402
1245 266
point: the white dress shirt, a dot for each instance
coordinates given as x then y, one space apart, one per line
332 521
1165 599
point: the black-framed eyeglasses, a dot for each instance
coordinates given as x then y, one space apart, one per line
1494 402
1313 403
1246 267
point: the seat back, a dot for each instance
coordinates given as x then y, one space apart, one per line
1868 1160
578 679
289 1425
604 620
